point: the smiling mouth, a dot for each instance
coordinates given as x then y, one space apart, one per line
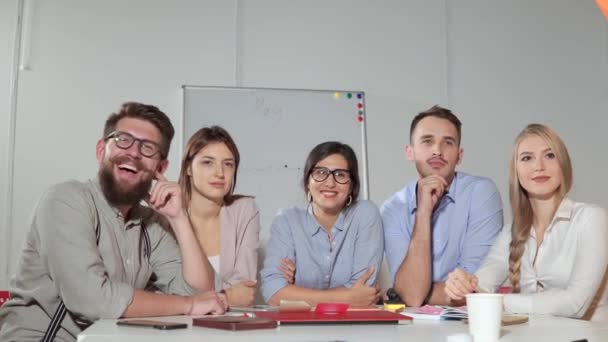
128 168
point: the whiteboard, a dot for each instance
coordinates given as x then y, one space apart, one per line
274 130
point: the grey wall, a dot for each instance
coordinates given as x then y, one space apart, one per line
498 64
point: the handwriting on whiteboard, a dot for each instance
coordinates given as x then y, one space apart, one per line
273 113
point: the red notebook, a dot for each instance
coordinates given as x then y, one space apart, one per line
348 317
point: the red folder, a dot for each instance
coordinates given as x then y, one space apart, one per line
348 317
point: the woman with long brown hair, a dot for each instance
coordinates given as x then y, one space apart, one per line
226 225
554 254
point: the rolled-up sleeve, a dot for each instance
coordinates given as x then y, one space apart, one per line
166 263
484 224
66 225
369 245
396 236
281 245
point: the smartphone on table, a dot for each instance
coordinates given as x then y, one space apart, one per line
151 324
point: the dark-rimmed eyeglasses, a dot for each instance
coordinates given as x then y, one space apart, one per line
320 174
124 140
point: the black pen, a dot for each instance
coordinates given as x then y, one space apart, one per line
583 340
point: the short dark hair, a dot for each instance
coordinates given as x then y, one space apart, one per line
438 112
144 112
326 149
198 141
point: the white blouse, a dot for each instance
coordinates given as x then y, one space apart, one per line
215 264
570 264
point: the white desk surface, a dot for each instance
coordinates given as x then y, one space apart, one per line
538 329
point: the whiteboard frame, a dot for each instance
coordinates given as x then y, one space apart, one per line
364 175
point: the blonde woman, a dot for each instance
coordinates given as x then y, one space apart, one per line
554 254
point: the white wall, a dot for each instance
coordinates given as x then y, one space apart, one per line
498 64
8 10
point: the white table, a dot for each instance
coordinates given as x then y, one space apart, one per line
538 329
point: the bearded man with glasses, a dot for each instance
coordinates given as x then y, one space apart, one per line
93 248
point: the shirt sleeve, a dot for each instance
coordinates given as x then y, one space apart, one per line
494 269
281 245
369 243
591 258
246 263
484 224
166 263
65 219
396 236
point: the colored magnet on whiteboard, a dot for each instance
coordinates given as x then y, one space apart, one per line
349 95
603 5
337 95
360 118
359 105
359 96
360 112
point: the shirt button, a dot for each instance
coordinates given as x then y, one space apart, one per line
128 261
327 276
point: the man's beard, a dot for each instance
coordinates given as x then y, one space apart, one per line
116 193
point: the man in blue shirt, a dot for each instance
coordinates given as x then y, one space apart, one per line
443 220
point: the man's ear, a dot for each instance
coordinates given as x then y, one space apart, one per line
409 152
162 166
100 149
460 155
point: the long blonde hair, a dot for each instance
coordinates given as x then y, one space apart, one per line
520 202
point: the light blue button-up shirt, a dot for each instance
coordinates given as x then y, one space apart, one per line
357 243
463 226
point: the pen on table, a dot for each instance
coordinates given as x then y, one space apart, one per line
583 340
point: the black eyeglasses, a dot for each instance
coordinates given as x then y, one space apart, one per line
125 140
320 174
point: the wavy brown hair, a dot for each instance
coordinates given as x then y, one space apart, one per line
200 139
520 201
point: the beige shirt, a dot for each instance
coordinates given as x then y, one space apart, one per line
239 242
61 260
570 264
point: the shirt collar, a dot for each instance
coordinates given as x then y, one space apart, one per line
316 227
449 196
563 213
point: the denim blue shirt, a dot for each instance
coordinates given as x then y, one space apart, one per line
320 264
464 225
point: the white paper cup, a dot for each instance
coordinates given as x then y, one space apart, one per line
485 313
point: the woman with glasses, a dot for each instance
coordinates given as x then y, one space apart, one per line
227 226
330 250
